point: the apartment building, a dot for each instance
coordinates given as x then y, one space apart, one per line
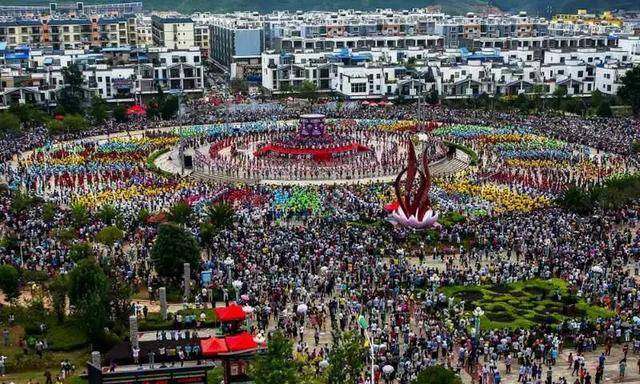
69 33
173 32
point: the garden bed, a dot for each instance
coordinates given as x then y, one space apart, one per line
525 304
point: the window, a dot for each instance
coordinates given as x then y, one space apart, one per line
359 88
580 73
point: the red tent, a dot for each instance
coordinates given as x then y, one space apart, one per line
213 346
136 109
240 342
233 312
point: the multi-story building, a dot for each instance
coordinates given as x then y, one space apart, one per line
608 77
391 73
115 74
202 39
173 32
69 33
231 41
144 31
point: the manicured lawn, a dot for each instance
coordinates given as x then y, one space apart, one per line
21 367
525 304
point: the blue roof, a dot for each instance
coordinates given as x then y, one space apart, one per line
116 49
346 55
17 56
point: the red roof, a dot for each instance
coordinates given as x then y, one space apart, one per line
213 346
241 342
233 312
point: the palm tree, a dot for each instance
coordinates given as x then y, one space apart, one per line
220 215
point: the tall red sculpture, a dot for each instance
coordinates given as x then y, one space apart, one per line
412 191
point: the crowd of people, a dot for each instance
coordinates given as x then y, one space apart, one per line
329 248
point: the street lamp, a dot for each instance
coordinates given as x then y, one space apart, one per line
248 310
435 282
237 286
477 314
228 262
387 370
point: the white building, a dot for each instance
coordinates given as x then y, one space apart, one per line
607 77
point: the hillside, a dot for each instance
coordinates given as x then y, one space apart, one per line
534 7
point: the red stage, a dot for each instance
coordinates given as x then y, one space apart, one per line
319 154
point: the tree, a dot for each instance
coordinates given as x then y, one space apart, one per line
277 365
558 96
108 214
28 114
20 202
80 251
576 200
604 109
9 123
153 109
437 374
98 111
630 90
79 215
71 97
238 86
49 211
9 281
220 215
596 98
308 90
173 247
120 113
180 213
169 108
347 359
109 235
89 293
74 123
58 289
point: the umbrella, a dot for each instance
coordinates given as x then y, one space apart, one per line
597 269
302 308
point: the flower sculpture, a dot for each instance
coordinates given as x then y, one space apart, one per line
413 195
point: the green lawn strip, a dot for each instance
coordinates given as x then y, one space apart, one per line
154 322
151 162
473 156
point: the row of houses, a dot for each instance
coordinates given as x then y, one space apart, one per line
119 75
452 73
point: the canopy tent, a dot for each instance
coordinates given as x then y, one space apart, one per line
136 110
213 346
233 312
241 342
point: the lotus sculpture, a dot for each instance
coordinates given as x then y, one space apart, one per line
412 192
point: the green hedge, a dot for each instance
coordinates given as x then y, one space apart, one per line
153 322
473 156
151 165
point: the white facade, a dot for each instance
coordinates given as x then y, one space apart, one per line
607 78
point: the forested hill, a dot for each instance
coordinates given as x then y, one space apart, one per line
534 7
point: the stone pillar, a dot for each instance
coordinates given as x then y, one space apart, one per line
96 359
187 280
210 297
163 303
133 331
